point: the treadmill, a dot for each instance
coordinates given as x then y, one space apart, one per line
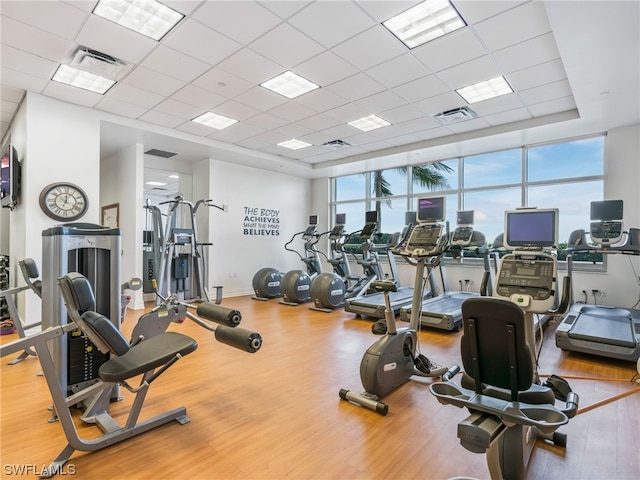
372 304
445 310
612 332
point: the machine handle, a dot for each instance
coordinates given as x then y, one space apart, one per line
239 338
571 405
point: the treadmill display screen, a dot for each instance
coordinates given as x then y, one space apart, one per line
371 217
465 217
606 210
341 218
431 210
535 228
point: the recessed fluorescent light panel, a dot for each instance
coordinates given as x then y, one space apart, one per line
425 22
147 17
369 123
290 85
294 144
214 120
485 90
81 79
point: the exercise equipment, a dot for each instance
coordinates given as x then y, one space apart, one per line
329 289
145 357
94 251
295 285
266 283
602 330
444 311
30 274
500 386
395 357
372 303
183 265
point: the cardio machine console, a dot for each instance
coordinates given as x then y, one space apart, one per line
462 235
606 233
533 277
424 240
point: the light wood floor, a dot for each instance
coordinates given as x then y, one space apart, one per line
276 414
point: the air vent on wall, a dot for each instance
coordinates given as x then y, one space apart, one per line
160 153
336 144
455 115
97 62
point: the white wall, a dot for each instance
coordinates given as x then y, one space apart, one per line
121 182
57 142
237 255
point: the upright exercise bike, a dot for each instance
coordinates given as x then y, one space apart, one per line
395 357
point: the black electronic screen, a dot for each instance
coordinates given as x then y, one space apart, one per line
531 228
464 217
368 230
371 217
431 210
313 219
341 218
606 210
409 218
10 172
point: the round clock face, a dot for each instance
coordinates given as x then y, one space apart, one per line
63 201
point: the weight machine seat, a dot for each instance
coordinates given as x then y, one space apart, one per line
29 271
496 357
158 351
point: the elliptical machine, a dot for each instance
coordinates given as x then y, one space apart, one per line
395 357
328 289
295 284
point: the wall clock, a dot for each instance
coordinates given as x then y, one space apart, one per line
63 201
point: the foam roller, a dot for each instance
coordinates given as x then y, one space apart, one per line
239 338
219 314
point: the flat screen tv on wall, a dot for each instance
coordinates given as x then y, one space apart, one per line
10 173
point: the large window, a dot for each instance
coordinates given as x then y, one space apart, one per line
565 175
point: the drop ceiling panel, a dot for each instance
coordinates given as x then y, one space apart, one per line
286 46
223 83
325 69
261 98
33 40
538 50
251 66
61 20
135 95
198 96
67 93
266 121
194 38
175 64
159 118
469 73
474 11
241 21
533 76
26 62
118 107
178 109
358 52
460 47
15 79
356 87
154 82
399 70
320 100
345 19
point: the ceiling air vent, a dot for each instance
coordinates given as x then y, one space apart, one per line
336 144
160 153
455 115
97 62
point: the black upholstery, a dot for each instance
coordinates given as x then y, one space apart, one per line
107 331
495 354
159 351
82 292
147 355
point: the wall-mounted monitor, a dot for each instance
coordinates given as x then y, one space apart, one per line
313 219
10 176
341 218
531 228
431 210
464 217
371 217
607 210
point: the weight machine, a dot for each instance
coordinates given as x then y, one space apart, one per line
183 260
